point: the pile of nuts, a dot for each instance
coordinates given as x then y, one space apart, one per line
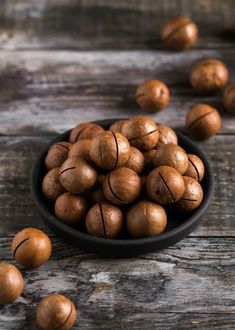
122 179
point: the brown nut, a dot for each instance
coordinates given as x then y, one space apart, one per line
148 159
192 196
179 33
117 126
84 131
51 185
152 95
171 155
135 161
146 219
196 168
122 186
71 208
229 98
81 149
11 283
77 176
141 132
166 135
203 121
57 154
56 312
31 247
208 76
104 220
110 150
165 185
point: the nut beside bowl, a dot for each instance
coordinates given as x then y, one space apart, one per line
178 226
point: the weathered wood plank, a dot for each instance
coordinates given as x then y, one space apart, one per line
169 288
50 91
17 208
118 24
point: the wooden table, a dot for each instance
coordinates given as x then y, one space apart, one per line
63 62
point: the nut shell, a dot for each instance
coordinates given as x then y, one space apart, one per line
203 121
135 161
229 98
122 186
196 168
81 149
104 220
84 131
152 95
166 135
31 247
51 185
192 196
117 126
171 155
56 312
57 154
141 132
165 185
146 219
11 283
71 208
148 159
208 76
110 150
77 176
179 33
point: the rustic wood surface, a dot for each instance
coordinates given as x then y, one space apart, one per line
63 62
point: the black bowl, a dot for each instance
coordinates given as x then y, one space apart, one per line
178 226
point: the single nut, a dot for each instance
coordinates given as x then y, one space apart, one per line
84 131
110 150
141 132
51 185
196 168
71 208
81 149
229 98
135 161
56 312
146 219
165 185
57 154
77 176
166 135
208 76
31 247
203 121
179 33
117 126
122 186
11 283
152 95
104 220
192 196
171 155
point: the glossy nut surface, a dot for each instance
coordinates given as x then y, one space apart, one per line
208 76
166 135
196 168
110 150
81 149
135 161
152 95
84 131
179 33
51 185
71 208
146 219
122 186
141 132
165 185
192 196
229 98
104 220
31 247
171 155
56 312
11 283
117 126
57 154
77 176
203 121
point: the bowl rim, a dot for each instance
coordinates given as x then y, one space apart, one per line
184 227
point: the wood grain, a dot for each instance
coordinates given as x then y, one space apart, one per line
50 91
105 24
